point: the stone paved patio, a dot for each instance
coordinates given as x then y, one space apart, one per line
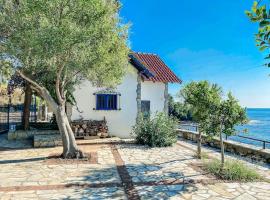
123 171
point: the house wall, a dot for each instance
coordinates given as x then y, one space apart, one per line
120 122
154 92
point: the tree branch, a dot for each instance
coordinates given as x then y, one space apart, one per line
63 85
32 82
57 86
69 80
41 90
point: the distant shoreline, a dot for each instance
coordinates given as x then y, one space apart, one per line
256 108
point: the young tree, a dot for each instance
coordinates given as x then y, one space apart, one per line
224 117
66 41
201 97
260 14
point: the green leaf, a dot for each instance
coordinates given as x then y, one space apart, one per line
262 43
254 7
267 57
263 48
248 13
264 23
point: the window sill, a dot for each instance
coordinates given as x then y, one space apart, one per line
106 110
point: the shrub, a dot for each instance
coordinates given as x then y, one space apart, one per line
158 131
234 170
179 110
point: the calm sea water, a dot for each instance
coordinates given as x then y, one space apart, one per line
258 126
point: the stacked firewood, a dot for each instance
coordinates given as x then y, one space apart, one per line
87 128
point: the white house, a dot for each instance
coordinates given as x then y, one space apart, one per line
143 89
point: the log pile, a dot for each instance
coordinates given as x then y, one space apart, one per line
88 128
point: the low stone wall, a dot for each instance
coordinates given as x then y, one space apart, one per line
81 129
251 151
40 141
51 140
22 135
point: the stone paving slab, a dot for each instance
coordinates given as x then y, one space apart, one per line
123 171
244 191
25 168
146 164
112 193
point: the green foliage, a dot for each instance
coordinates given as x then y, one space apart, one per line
214 115
179 110
225 116
5 71
260 14
210 110
86 38
205 155
234 170
201 97
159 131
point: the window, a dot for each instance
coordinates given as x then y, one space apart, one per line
106 101
145 108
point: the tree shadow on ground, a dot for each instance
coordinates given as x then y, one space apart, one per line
22 160
150 183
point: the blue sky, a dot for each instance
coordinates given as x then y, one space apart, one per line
202 40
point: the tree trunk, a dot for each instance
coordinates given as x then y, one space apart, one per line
199 147
70 148
26 107
221 148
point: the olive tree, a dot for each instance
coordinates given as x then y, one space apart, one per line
65 41
201 97
223 119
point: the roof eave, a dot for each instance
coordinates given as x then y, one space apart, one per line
140 67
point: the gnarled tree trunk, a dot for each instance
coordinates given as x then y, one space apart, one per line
70 148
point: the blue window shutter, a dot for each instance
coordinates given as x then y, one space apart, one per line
115 102
106 102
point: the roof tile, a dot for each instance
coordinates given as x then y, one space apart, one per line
162 73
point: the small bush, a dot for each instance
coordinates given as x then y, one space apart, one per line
233 170
158 131
204 155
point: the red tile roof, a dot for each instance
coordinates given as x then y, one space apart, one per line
157 67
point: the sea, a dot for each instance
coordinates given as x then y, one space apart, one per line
258 127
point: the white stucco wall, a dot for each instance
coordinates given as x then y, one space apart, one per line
120 122
154 92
